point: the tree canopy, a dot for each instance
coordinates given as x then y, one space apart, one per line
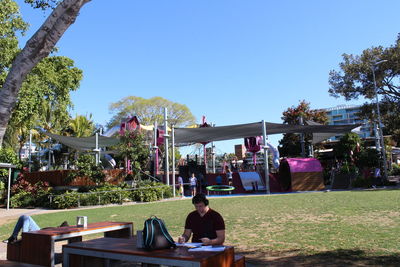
151 110
355 78
44 97
289 145
39 46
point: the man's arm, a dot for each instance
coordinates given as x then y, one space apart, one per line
185 237
217 241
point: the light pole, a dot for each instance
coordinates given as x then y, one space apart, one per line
383 149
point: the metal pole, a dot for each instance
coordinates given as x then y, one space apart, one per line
213 157
302 143
30 150
9 188
97 149
166 169
266 171
155 148
383 150
173 159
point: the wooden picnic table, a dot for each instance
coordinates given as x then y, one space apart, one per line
37 247
99 252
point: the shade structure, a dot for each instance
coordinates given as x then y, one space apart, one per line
201 135
83 143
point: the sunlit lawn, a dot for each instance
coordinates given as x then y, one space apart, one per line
353 226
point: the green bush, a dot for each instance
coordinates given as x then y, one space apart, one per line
151 191
22 199
65 201
116 196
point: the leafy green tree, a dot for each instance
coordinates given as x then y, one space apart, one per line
348 146
289 145
44 97
132 147
355 79
39 46
151 110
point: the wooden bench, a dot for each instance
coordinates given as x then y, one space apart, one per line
239 261
37 247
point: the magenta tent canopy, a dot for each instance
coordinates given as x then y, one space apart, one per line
220 133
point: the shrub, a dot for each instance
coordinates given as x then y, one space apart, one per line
65 201
26 194
116 196
22 200
151 191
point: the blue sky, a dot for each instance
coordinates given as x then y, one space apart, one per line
232 61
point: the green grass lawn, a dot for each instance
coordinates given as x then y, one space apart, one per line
352 227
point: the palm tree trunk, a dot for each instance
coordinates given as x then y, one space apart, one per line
37 48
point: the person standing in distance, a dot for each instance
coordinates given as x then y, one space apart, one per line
193 184
206 225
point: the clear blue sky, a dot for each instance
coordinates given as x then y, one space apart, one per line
232 61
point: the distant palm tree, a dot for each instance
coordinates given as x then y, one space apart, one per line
81 126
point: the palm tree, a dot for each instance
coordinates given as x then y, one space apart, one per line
81 126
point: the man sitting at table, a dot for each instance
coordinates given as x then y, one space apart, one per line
27 224
207 225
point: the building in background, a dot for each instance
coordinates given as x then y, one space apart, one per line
347 114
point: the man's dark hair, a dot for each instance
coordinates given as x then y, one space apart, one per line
198 198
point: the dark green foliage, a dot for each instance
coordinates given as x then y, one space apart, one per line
395 169
368 158
86 167
348 146
289 145
42 4
361 182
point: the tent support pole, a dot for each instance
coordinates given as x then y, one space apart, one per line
266 169
173 159
9 188
166 168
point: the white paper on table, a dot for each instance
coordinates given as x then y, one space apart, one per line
207 248
189 245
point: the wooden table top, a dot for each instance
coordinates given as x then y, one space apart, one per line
128 246
52 231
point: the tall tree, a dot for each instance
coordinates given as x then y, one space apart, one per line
44 98
151 110
38 47
289 145
355 79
